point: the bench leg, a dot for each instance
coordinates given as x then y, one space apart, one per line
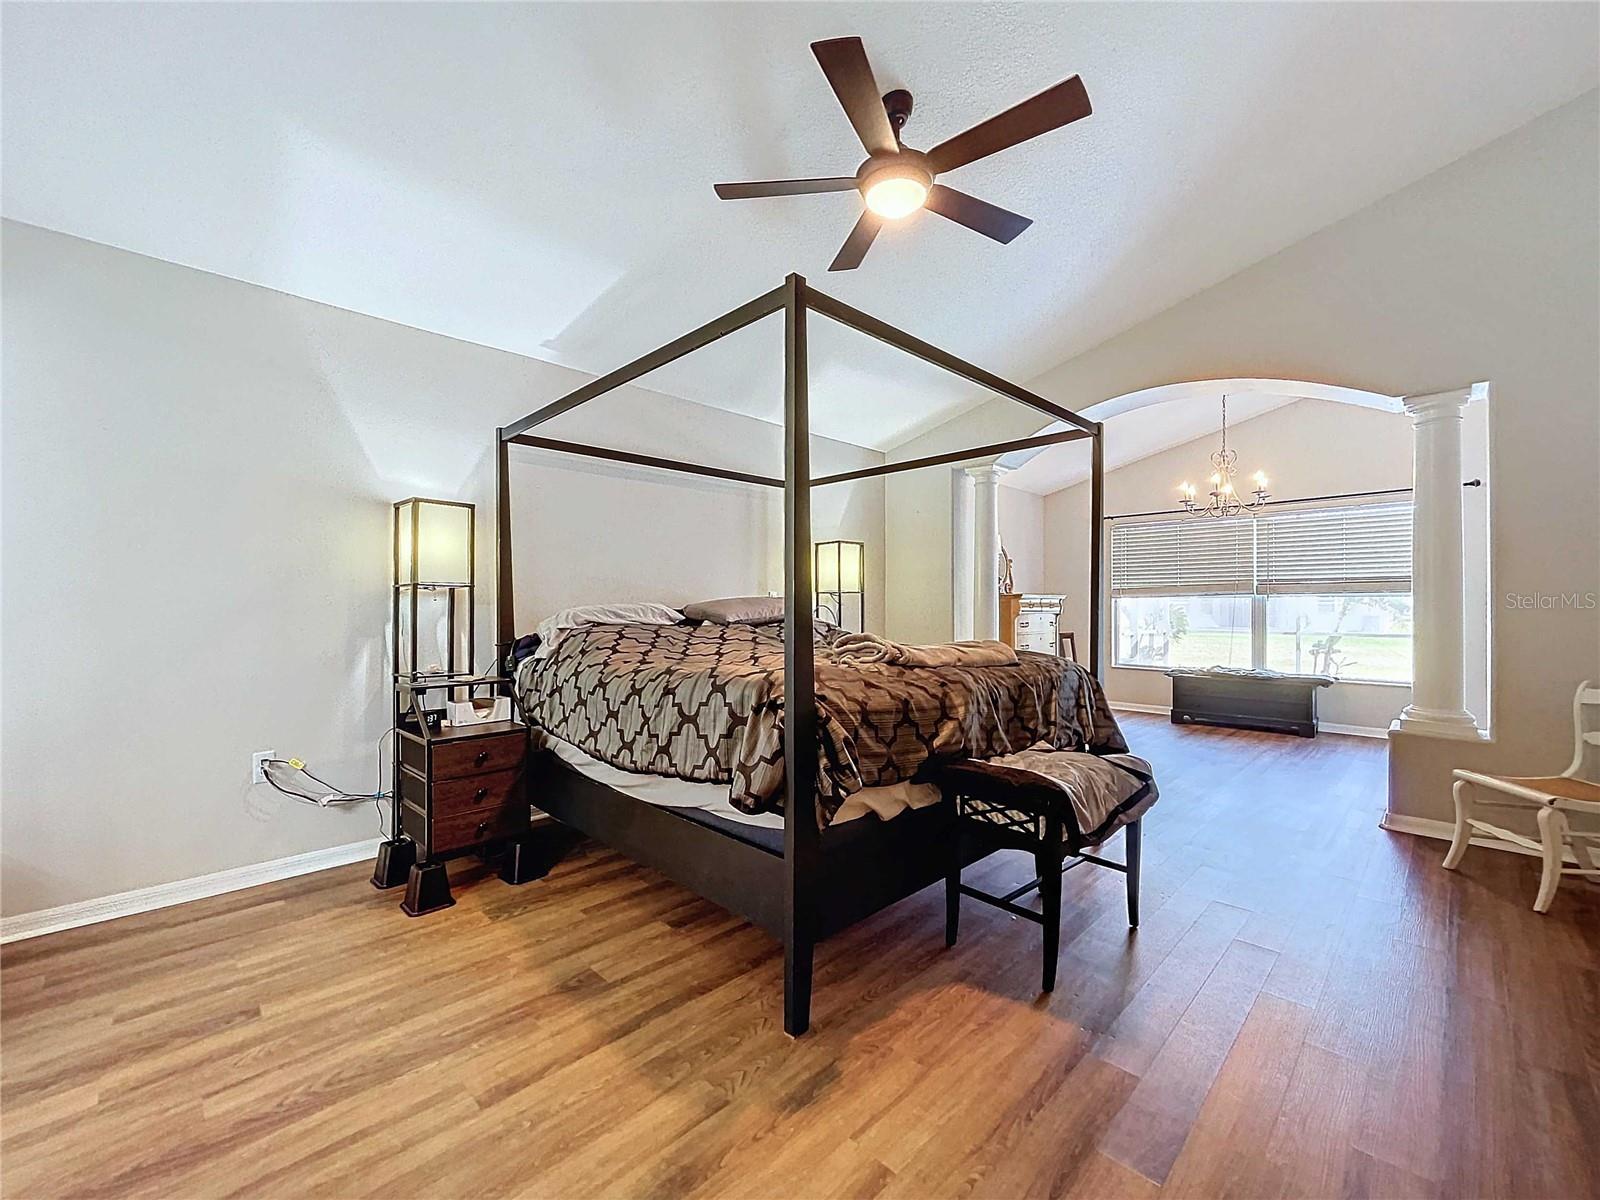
952 890
1132 841
1048 860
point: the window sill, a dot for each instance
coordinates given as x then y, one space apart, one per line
1384 683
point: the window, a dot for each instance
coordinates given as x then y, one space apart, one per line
1348 636
1182 631
1312 589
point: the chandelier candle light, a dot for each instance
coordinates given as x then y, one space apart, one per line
1224 498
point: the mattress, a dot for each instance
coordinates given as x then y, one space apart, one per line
711 799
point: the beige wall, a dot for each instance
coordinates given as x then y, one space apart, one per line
1022 533
1483 271
589 531
1309 448
197 480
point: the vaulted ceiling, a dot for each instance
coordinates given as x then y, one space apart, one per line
1135 435
538 177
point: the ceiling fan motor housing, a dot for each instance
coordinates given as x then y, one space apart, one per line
903 163
907 164
898 105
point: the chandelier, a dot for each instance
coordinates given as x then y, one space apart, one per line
1224 500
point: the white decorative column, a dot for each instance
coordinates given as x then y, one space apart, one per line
961 568
986 550
1437 706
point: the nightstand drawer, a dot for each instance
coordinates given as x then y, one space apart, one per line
460 830
478 756
473 793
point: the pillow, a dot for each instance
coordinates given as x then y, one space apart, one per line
553 628
737 610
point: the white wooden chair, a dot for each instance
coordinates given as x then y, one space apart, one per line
1552 797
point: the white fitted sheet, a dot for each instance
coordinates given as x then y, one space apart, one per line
665 792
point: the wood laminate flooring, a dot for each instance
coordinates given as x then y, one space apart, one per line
1311 1008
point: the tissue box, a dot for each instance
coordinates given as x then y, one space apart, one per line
479 710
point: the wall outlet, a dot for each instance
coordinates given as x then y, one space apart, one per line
258 765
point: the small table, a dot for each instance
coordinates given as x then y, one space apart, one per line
457 789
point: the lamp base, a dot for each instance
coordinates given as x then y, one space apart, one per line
395 859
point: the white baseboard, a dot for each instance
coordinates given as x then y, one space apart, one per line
1443 831
164 895
1165 710
1371 731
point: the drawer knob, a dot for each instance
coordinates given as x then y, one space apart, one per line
481 793
482 825
482 757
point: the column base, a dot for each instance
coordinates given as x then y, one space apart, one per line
1440 723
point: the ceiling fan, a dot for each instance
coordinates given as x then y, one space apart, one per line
895 181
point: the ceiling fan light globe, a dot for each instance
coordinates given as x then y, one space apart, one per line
896 196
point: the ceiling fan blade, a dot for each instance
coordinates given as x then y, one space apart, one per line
1050 109
988 219
844 62
858 243
785 187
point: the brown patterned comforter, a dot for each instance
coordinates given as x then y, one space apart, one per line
705 703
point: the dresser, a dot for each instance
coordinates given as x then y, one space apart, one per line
1030 622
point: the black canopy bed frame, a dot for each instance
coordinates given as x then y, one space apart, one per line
825 879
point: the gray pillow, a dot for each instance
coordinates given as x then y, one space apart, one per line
737 610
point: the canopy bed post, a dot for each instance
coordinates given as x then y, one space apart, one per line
802 839
1097 483
505 617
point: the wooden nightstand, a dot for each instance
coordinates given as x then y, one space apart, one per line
458 789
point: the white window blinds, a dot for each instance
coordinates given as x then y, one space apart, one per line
1343 548
1187 556
1330 548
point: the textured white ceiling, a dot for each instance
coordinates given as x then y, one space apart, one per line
538 177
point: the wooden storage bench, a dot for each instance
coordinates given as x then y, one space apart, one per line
1247 700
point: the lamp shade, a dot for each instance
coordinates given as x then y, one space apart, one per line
433 542
838 566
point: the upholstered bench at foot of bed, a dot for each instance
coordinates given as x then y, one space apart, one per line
1056 805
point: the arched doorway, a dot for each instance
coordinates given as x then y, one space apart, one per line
1451 654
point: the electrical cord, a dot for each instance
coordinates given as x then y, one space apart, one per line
377 805
278 787
333 796
330 797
